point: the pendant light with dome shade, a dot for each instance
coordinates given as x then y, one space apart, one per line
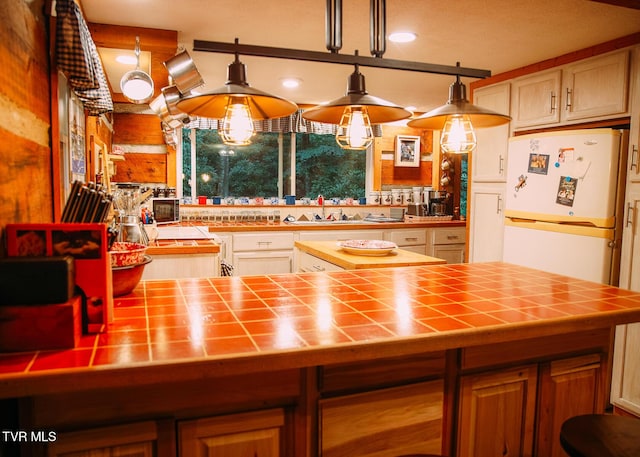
238 105
137 85
457 120
355 113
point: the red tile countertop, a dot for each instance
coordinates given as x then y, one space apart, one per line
186 328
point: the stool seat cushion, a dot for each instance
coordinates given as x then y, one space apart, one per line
601 435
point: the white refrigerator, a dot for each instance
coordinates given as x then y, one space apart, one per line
565 193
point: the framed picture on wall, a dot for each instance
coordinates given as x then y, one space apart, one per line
407 153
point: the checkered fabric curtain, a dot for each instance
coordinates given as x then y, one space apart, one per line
294 123
78 58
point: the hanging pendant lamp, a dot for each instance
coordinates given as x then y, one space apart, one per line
457 120
238 105
355 113
136 85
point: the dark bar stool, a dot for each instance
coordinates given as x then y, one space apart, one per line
601 435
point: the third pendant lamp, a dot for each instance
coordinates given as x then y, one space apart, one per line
457 120
355 113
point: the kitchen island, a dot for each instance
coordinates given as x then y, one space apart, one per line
319 253
451 359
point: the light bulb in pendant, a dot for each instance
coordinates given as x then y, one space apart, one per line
458 135
237 124
354 131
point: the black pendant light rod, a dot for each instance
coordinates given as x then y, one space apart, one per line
324 57
333 22
378 27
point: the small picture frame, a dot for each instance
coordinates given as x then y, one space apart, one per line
407 153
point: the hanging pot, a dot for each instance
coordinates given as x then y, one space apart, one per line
184 73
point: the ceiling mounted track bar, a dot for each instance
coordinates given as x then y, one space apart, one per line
315 56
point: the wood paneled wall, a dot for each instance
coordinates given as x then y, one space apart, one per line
25 153
386 174
141 129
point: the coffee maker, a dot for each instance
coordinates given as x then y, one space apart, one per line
440 203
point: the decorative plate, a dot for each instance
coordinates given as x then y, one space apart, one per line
368 247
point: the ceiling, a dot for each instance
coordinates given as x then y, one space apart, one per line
495 35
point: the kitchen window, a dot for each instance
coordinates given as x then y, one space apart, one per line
265 167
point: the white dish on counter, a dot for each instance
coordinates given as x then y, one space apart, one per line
368 247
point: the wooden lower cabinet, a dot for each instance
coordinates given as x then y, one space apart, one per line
568 388
497 413
252 434
130 440
387 422
519 411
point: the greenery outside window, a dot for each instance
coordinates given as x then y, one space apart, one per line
265 167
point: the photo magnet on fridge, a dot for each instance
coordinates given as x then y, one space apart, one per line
538 163
566 190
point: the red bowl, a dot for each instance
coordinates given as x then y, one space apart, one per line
126 278
126 253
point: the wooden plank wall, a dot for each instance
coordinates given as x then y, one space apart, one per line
141 129
25 153
386 174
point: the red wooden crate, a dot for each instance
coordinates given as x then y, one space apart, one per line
87 243
41 327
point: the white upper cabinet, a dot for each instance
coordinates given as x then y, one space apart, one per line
596 87
591 89
536 99
489 159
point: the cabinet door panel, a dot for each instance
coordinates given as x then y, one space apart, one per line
262 262
396 421
130 440
489 157
625 385
536 99
596 87
630 252
246 434
452 253
497 413
486 224
568 388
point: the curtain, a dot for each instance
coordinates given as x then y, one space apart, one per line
294 123
77 57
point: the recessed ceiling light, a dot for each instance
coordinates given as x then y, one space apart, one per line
126 59
291 83
402 37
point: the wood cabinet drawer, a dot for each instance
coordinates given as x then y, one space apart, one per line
266 241
408 237
535 349
455 235
309 263
361 375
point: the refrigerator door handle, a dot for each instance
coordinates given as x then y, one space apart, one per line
499 205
